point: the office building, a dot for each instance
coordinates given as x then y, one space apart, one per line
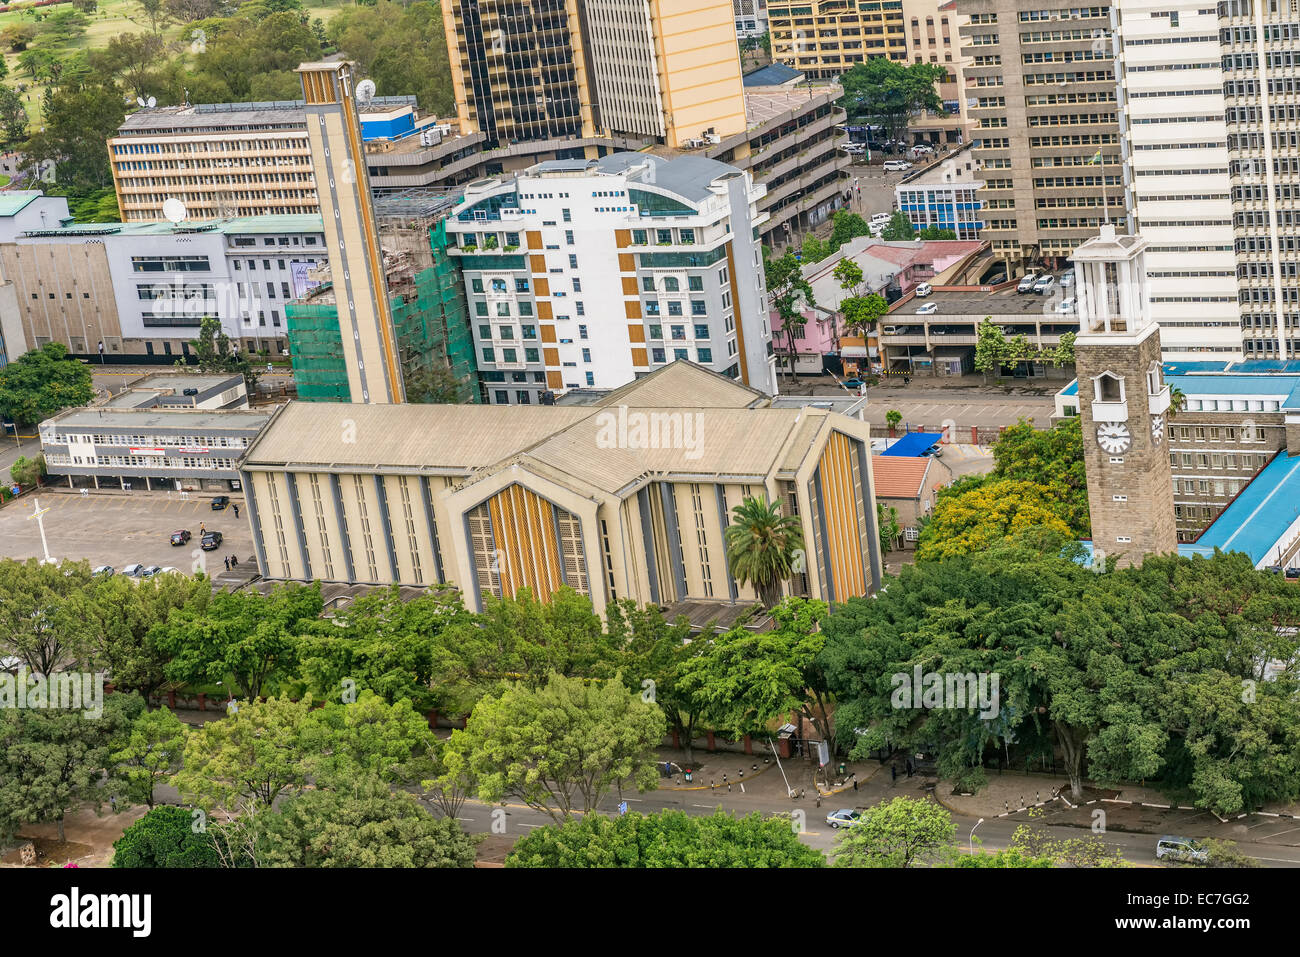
365 316
589 273
932 37
151 449
751 17
143 289
824 38
180 390
1040 85
627 499
1177 178
945 196
665 70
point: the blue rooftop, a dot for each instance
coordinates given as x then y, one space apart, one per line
774 74
1071 389
1277 384
913 444
1259 516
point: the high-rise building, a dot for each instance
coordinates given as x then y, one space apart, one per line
1041 89
666 70
1123 402
370 351
589 273
1177 174
751 17
932 37
823 38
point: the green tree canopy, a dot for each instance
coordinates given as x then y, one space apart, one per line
904 832
42 383
165 837
764 547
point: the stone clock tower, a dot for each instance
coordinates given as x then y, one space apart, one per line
1123 401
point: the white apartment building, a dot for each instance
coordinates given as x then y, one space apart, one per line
751 17
1177 171
590 273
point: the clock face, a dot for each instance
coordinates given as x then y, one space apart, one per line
1113 437
1157 428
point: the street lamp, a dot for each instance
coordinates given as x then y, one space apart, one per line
972 835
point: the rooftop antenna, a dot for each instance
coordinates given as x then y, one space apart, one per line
144 104
174 210
365 92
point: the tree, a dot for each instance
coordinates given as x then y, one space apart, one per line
218 353
903 832
78 119
364 825
1177 398
744 679
13 116
40 624
790 294
149 755
1052 458
887 521
972 520
991 350
898 229
367 738
27 471
16 36
134 58
892 418
847 226
887 92
848 274
54 760
165 837
42 383
246 636
403 48
936 232
559 749
814 249
154 14
665 839
434 385
861 313
1063 354
187 11
763 547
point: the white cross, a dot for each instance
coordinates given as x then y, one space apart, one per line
38 513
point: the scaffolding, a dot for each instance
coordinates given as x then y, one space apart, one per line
430 315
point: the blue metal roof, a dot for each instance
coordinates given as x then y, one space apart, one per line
774 74
1071 389
1234 384
1260 515
913 444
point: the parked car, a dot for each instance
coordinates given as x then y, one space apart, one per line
853 383
924 289
210 541
996 278
1027 281
169 570
1067 279
896 165
180 536
133 571
1185 849
1065 305
929 309
220 502
1044 284
844 817
938 331
881 217
922 149
150 571
104 571
893 330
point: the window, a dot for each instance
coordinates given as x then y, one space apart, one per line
665 237
528 332
507 332
521 285
705 355
567 216
522 396
698 308
657 355
679 354
671 284
586 355
675 308
509 355
679 332
568 237
582 332
701 331
591 378
476 284
648 283
695 283
531 355
488 354
573 261
485 331
638 237
656 331
577 284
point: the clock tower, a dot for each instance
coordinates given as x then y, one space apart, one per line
1123 401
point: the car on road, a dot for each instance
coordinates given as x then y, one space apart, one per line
210 541
133 571
1027 281
929 309
1043 285
220 502
149 571
852 383
1065 305
1186 850
894 166
104 571
180 536
844 817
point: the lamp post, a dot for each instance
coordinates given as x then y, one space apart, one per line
972 835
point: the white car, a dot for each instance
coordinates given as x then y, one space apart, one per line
844 817
881 217
922 149
929 309
169 570
133 571
1044 284
1065 305
924 289
1067 279
103 571
896 165
1185 849
1027 281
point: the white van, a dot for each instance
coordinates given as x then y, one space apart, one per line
924 289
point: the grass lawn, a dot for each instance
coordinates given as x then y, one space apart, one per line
111 19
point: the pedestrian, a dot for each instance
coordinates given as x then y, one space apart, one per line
855 782
909 767
234 561
893 772
113 802
236 508
227 563
202 529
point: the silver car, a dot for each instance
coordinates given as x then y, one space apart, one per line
1187 850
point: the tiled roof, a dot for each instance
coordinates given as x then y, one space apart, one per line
896 476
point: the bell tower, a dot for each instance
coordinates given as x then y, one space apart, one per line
1123 401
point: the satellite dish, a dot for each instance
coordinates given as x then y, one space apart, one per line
153 101
149 104
365 91
174 210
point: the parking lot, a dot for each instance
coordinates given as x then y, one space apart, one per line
122 529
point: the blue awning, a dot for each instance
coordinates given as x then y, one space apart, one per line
913 444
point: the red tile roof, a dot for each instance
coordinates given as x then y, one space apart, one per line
897 476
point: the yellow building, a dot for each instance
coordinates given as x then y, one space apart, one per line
667 71
824 38
626 498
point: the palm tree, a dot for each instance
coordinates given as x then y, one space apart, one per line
1176 400
763 547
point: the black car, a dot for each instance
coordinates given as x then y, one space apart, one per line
180 536
210 541
220 502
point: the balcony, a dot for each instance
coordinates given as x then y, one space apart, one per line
1158 403
1110 411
